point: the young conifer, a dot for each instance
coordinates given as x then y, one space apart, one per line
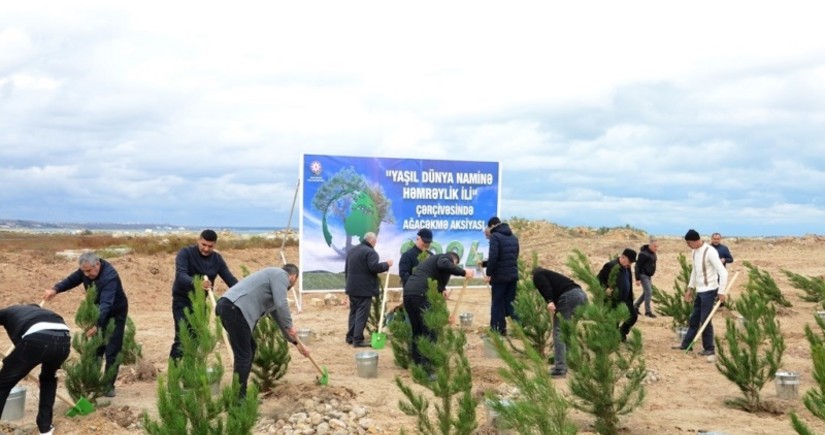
607 374
448 378
749 355
185 401
85 376
675 305
530 307
272 356
400 337
814 399
132 351
813 286
762 282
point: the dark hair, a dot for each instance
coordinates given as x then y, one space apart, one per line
290 269
209 235
454 257
493 221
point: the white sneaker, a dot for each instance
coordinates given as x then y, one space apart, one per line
50 432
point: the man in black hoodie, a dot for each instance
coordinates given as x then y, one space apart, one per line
502 273
621 291
645 268
40 337
562 295
361 273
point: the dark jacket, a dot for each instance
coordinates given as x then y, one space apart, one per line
502 261
438 267
17 319
110 296
189 262
361 271
408 262
623 290
724 253
551 284
646 262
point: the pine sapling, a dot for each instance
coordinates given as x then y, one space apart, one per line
530 307
812 286
762 282
607 374
675 305
400 337
539 407
132 351
448 377
272 356
814 399
749 356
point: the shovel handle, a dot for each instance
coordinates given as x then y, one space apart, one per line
460 297
321 371
712 312
384 303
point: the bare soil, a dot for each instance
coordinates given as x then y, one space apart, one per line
688 395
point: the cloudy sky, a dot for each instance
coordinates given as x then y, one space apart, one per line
660 115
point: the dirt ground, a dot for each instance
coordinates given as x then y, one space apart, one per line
687 396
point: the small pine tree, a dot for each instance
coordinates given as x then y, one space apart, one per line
814 399
530 307
272 356
85 376
675 305
132 351
749 357
540 408
375 313
762 282
813 286
400 338
607 374
453 377
185 401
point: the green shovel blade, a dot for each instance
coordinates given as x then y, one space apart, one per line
82 407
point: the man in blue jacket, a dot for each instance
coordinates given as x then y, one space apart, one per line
724 253
111 301
502 273
361 273
191 261
621 292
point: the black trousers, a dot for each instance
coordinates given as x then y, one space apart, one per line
179 304
240 338
359 313
112 349
415 305
47 348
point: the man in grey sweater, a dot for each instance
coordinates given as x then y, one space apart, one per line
240 308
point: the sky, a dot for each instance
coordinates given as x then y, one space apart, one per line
659 115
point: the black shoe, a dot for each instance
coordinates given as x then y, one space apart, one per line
651 315
110 393
361 344
558 373
707 353
349 340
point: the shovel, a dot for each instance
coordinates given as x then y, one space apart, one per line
710 316
223 333
82 407
324 379
458 302
378 338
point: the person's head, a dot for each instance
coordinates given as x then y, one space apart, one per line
370 238
627 258
493 222
653 245
715 239
207 241
423 239
693 239
89 264
292 272
454 257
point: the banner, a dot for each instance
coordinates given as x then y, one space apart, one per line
346 197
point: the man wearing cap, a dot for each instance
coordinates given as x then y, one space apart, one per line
621 290
708 281
361 274
412 256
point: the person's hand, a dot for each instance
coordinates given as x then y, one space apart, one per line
487 279
91 331
389 262
608 291
49 294
551 308
293 333
446 294
302 348
722 298
469 273
638 282
688 294
207 285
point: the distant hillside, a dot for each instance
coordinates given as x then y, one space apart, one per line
18 224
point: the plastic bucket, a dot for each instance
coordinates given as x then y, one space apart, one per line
820 314
366 364
681 332
15 404
787 385
305 335
489 347
466 320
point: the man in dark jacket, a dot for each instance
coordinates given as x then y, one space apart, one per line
621 291
361 273
195 260
502 273
645 268
111 301
562 295
40 337
439 268
724 252
410 258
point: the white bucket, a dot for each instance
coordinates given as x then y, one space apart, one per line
489 347
820 314
787 385
305 335
15 404
366 364
466 320
681 332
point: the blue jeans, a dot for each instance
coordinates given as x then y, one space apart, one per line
501 305
568 302
702 306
